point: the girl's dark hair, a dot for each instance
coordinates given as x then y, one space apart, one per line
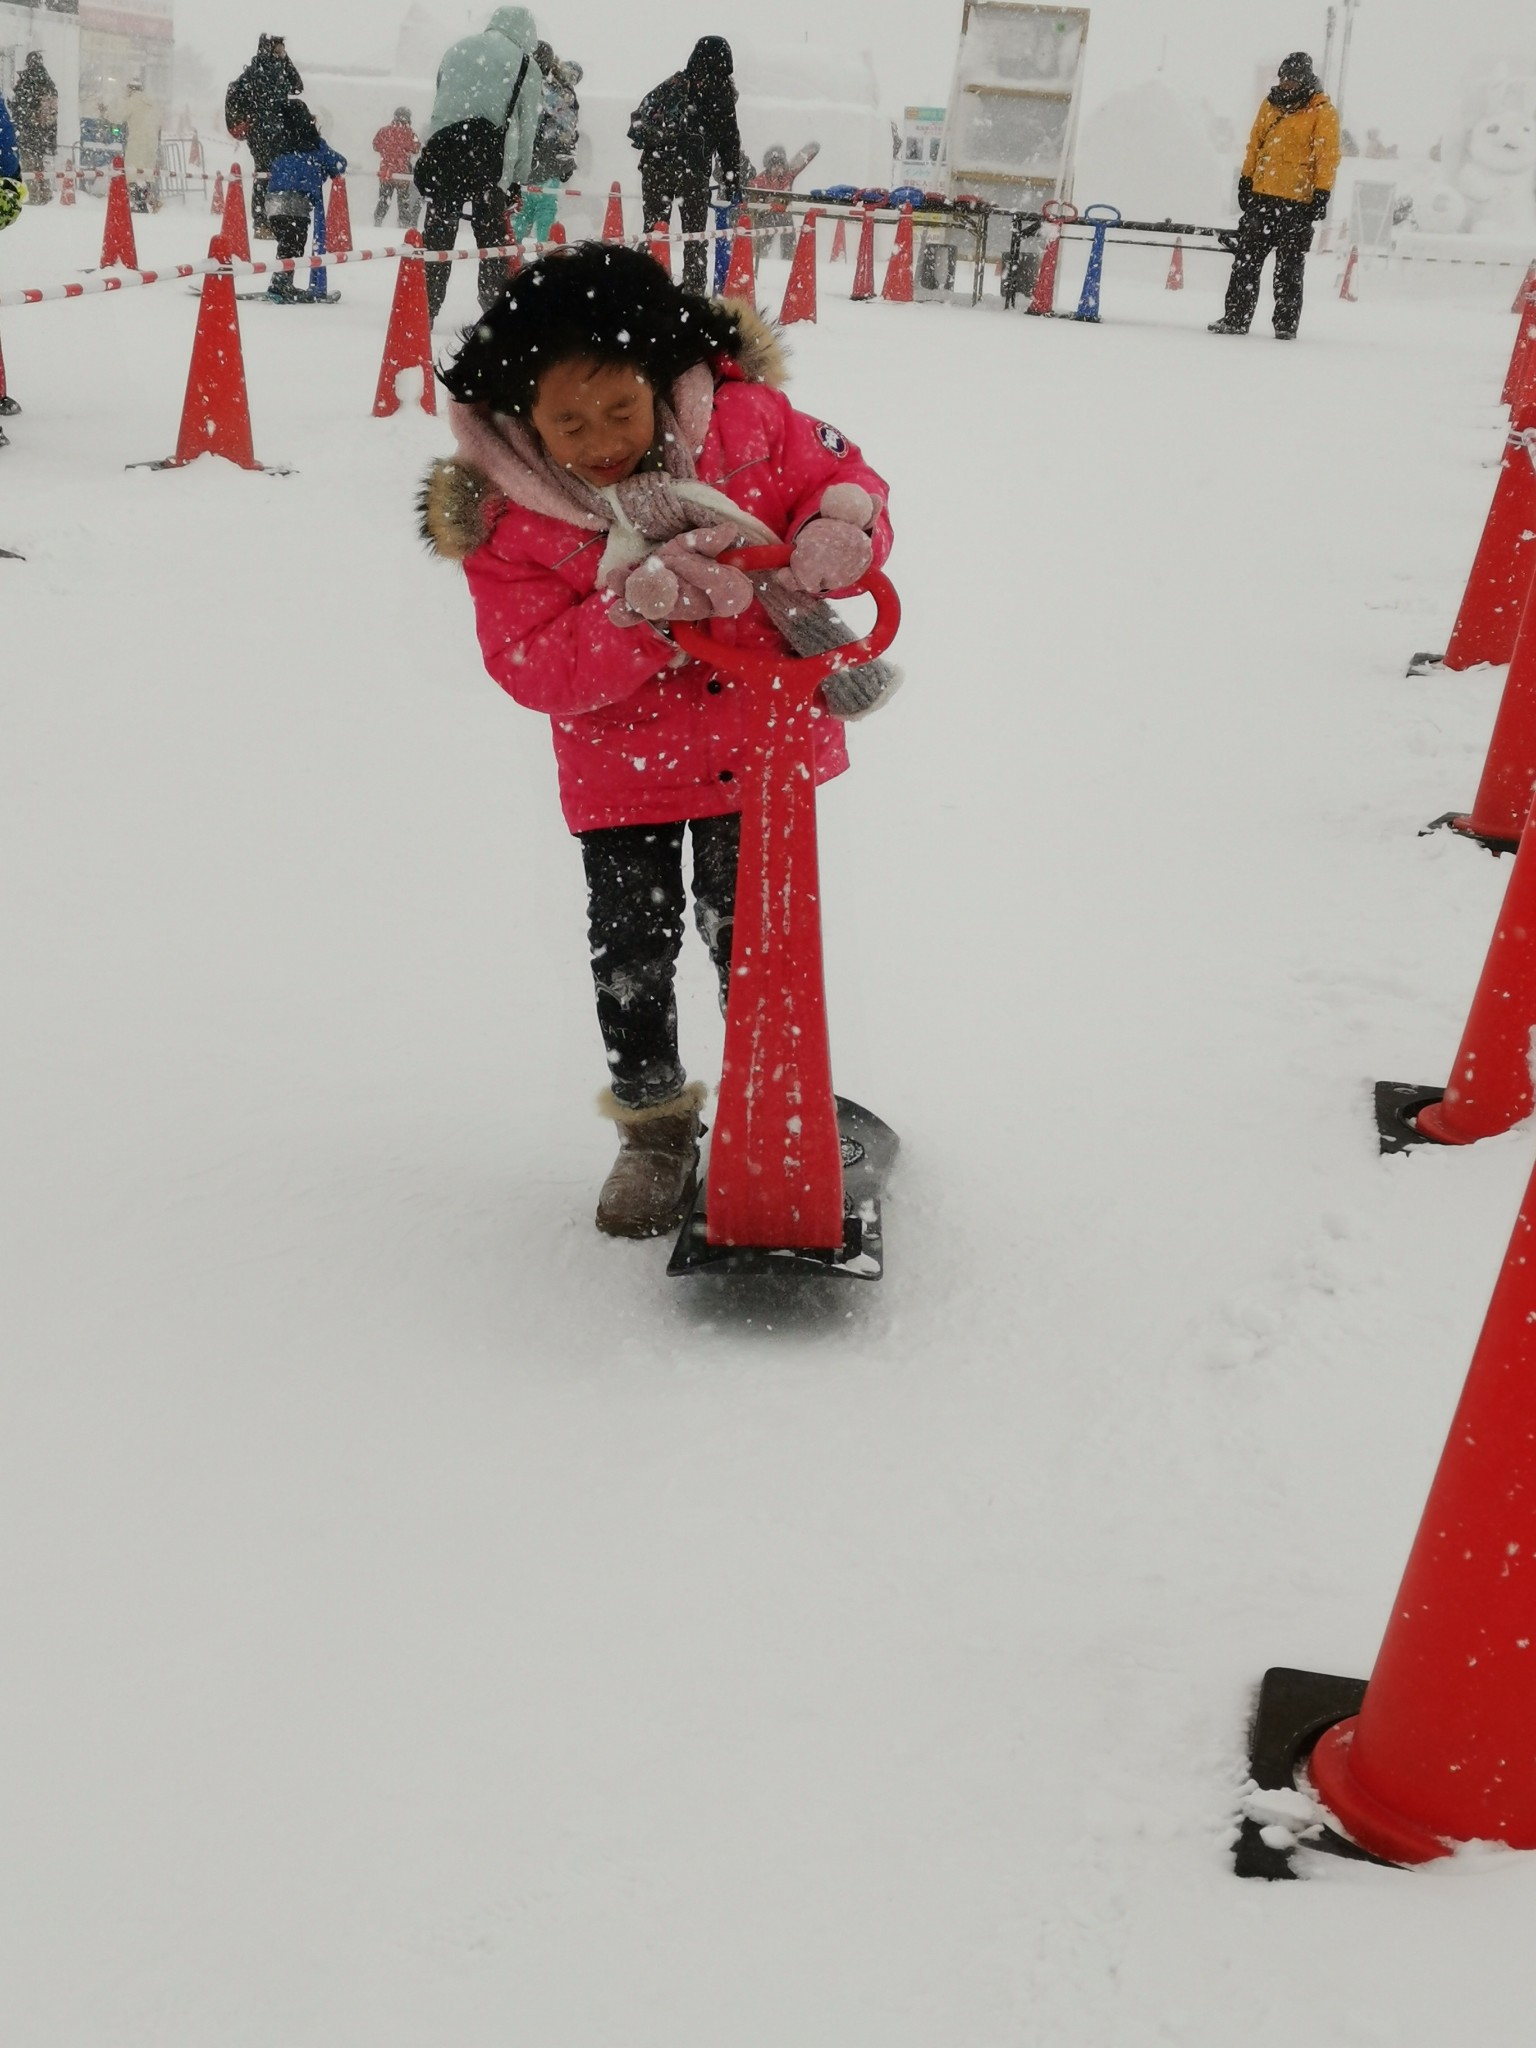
596 302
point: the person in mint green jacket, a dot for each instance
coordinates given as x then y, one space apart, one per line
479 150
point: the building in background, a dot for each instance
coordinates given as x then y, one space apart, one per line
53 29
124 40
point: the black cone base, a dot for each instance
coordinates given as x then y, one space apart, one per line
1294 1708
1397 1104
1459 823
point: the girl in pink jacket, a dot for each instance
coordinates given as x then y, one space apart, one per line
615 436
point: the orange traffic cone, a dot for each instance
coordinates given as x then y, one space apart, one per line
661 248
1347 281
1490 1086
1526 287
1520 354
613 218
556 236
800 292
1440 1750
236 227
1175 280
1043 298
408 341
338 221
1503 801
839 241
218 193
1489 615
216 414
741 276
117 243
4 394
898 271
864 264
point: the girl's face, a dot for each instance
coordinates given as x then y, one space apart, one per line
597 420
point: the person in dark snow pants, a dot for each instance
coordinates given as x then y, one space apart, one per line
485 120
615 436
13 196
255 111
683 129
397 149
1283 192
296 189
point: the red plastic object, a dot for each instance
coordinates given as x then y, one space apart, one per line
1175 279
898 271
839 251
338 220
217 206
1490 1086
1043 298
661 247
1444 1747
216 413
613 217
864 262
117 243
1489 617
800 292
235 229
408 341
775 1165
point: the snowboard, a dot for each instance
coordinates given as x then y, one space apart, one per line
869 1149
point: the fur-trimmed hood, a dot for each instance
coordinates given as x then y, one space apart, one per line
458 500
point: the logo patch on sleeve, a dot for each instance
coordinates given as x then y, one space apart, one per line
830 439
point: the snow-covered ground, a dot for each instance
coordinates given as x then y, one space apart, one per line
424 1621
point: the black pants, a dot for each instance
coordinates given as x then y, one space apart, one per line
292 231
1284 225
636 908
663 183
461 166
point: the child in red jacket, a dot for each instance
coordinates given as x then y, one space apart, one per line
616 435
398 149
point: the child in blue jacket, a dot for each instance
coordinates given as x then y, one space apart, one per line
296 191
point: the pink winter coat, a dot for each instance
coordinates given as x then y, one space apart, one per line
642 734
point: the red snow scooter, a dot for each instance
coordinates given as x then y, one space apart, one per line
795 1172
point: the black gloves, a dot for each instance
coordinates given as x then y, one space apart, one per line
1244 193
1320 205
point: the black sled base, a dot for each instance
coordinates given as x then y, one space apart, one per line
869 1149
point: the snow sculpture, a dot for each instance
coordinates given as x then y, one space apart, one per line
1497 177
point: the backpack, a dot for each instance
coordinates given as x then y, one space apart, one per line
554 144
654 122
239 107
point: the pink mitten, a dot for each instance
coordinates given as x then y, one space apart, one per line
682 580
833 550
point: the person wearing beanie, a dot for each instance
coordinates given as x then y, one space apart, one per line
397 147
616 437
1286 183
683 129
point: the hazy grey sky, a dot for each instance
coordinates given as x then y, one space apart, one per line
1409 55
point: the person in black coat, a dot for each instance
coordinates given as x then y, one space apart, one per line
256 112
683 128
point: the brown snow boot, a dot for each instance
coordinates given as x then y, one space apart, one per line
655 1174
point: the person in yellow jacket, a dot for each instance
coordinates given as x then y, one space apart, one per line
1287 180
